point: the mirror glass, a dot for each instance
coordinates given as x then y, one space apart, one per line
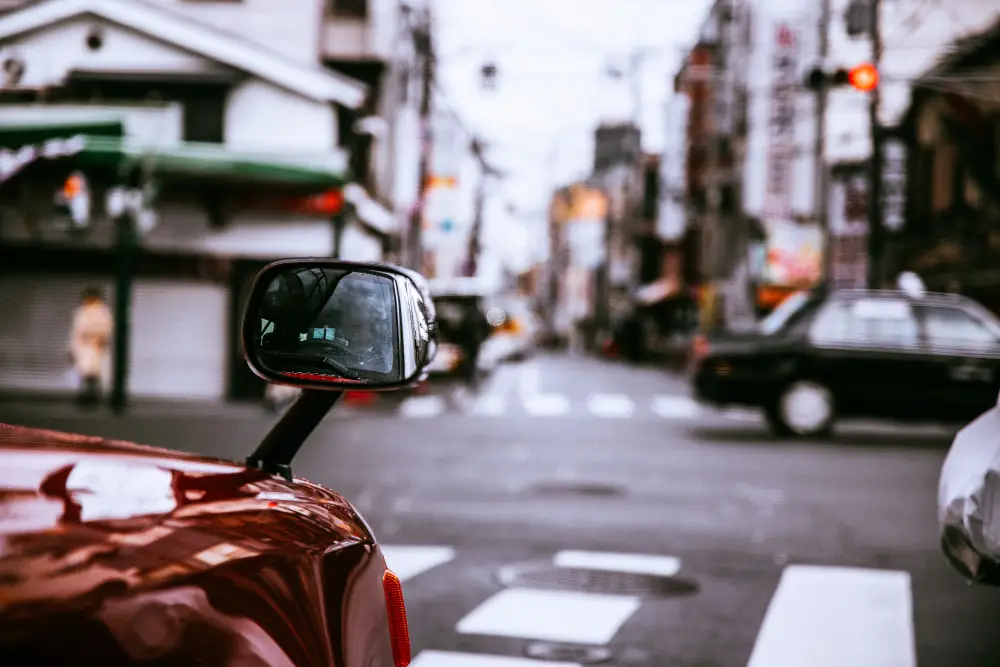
338 325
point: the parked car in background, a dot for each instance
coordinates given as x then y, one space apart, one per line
517 329
120 554
968 492
453 300
818 356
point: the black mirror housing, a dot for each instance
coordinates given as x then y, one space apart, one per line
336 325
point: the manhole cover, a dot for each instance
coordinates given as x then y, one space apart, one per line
595 581
579 488
581 655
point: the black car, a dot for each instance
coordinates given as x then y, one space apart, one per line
857 353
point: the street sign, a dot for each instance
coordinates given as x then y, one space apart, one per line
894 184
781 130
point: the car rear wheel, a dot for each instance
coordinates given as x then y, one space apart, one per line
805 409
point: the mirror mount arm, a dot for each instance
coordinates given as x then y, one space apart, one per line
275 452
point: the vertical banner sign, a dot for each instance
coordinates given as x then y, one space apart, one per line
848 218
894 184
781 125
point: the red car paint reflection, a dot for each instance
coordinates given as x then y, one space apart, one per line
119 554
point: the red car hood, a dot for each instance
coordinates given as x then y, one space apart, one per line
88 526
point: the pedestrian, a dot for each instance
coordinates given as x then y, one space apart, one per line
472 333
90 341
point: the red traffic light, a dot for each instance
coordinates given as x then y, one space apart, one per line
863 77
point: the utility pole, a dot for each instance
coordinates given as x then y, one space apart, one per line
475 244
876 237
424 45
820 188
125 248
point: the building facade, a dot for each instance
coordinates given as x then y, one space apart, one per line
951 236
235 114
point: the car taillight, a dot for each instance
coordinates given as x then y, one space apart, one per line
399 632
699 349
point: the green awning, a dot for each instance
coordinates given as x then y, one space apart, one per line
214 162
17 134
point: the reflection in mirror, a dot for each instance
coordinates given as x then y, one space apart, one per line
335 323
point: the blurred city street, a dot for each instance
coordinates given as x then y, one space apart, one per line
575 463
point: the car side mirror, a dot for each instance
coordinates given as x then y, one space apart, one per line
329 324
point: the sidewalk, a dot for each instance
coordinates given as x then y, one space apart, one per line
13 407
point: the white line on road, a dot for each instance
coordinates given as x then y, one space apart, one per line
423 407
449 659
546 405
409 561
664 566
676 407
741 414
491 405
835 616
529 380
558 616
611 405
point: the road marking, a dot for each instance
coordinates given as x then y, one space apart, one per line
529 380
741 414
546 405
664 566
422 406
836 616
449 659
491 405
558 616
611 405
676 407
409 561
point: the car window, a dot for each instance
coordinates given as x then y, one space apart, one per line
954 327
871 322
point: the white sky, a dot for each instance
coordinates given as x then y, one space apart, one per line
551 87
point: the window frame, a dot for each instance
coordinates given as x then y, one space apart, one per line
984 322
848 305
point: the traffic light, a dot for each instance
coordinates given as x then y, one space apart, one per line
863 77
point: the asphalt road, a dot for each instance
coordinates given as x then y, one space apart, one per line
494 511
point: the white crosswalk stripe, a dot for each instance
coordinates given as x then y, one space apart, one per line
676 407
556 616
546 405
834 616
409 561
611 405
550 404
818 615
491 405
664 566
455 659
423 407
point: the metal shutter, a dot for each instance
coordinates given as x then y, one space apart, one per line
36 313
180 336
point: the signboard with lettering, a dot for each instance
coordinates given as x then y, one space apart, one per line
894 184
781 124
